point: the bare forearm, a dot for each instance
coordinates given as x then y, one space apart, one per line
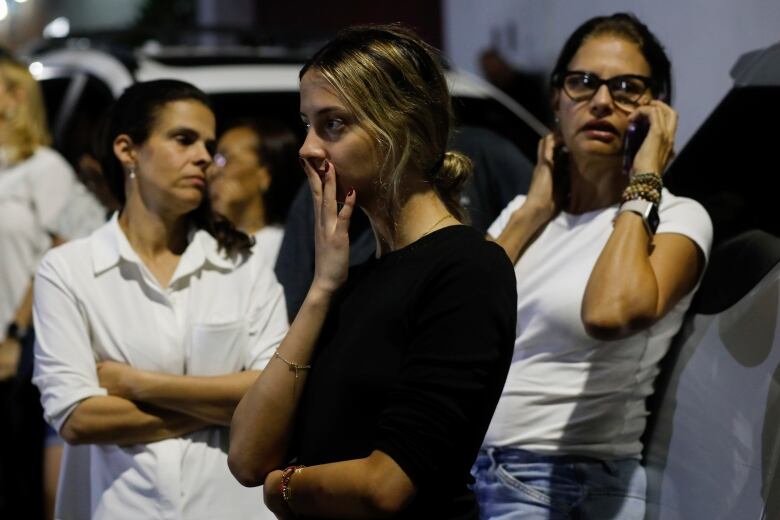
621 297
210 399
372 487
524 226
23 314
263 420
114 420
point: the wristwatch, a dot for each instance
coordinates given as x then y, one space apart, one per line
14 331
645 209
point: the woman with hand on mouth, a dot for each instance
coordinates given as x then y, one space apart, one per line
379 396
151 330
606 261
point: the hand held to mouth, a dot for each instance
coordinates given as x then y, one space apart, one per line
331 227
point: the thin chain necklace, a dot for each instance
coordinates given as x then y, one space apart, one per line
430 229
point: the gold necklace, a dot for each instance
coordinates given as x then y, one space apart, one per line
430 229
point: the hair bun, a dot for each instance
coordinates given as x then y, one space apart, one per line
455 170
449 181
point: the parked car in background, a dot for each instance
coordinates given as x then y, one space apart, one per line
80 81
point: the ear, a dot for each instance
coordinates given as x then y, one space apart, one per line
124 149
265 178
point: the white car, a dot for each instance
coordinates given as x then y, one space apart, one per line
79 82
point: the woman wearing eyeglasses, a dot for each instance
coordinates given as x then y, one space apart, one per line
607 262
256 176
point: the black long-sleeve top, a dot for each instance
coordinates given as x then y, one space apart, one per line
411 361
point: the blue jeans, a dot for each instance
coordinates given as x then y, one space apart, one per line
513 484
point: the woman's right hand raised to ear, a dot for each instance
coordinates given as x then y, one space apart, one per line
331 227
542 195
540 206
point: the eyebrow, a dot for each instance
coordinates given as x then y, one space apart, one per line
579 71
325 110
211 144
187 130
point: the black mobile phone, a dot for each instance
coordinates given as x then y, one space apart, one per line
635 135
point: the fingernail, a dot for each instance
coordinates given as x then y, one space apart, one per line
351 191
325 165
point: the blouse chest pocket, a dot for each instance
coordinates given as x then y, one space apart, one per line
217 348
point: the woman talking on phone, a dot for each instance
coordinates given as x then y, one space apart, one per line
376 402
607 261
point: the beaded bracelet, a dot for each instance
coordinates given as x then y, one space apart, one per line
641 192
651 178
645 186
284 485
294 367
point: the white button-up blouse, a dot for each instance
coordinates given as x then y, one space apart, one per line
94 301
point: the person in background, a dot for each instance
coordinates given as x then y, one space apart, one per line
607 261
35 185
90 205
385 384
525 88
151 329
255 177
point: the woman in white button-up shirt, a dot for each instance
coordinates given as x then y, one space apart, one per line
151 329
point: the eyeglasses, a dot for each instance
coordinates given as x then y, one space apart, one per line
626 90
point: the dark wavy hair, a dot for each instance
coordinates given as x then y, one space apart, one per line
628 27
135 114
277 149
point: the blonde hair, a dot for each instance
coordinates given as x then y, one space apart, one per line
393 83
26 127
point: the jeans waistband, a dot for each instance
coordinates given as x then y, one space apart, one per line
504 455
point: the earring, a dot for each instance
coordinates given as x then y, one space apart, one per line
131 172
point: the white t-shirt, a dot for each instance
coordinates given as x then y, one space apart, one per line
94 301
566 392
32 194
267 243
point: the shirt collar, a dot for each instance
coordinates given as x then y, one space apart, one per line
109 245
105 245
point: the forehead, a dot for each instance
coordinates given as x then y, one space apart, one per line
318 94
239 137
609 55
186 113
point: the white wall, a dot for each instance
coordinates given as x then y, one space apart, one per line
703 38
